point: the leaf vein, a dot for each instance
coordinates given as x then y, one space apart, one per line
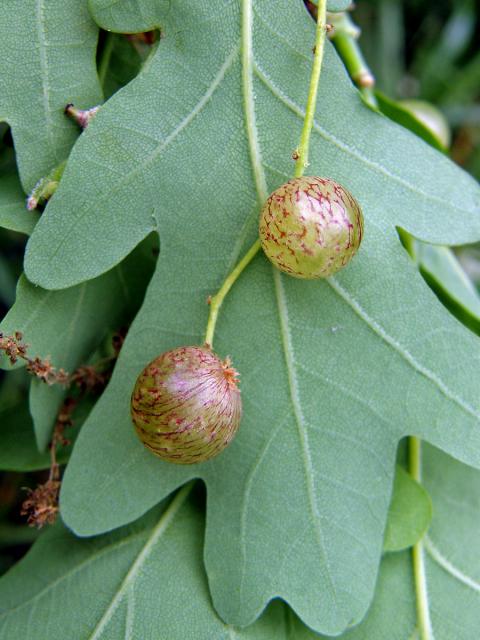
43 45
448 566
66 576
248 100
406 355
130 618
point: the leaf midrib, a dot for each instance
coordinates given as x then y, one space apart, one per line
262 191
42 44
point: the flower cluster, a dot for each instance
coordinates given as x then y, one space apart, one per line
15 349
41 504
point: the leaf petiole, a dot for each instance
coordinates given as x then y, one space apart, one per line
345 39
217 300
423 610
303 148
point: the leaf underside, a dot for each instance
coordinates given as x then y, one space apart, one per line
333 373
111 578
67 326
451 557
57 44
54 42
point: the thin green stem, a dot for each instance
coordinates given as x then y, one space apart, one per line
345 40
255 157
420 578
105 58
303 148
217 300
415 458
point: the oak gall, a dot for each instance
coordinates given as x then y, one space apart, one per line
186 405
311 227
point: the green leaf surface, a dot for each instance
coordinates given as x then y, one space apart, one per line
47 51
409 514
67 326
112 578
144 581
13 211
18 450
451 559
18 446
442 271
202 100
404 116
334 373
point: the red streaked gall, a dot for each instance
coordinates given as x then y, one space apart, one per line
311 227
186 405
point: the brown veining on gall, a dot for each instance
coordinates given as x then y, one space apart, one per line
186 405
311 227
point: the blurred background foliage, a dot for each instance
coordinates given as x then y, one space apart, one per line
417 49
430 50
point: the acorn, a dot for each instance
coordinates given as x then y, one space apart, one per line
186 405
311 227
